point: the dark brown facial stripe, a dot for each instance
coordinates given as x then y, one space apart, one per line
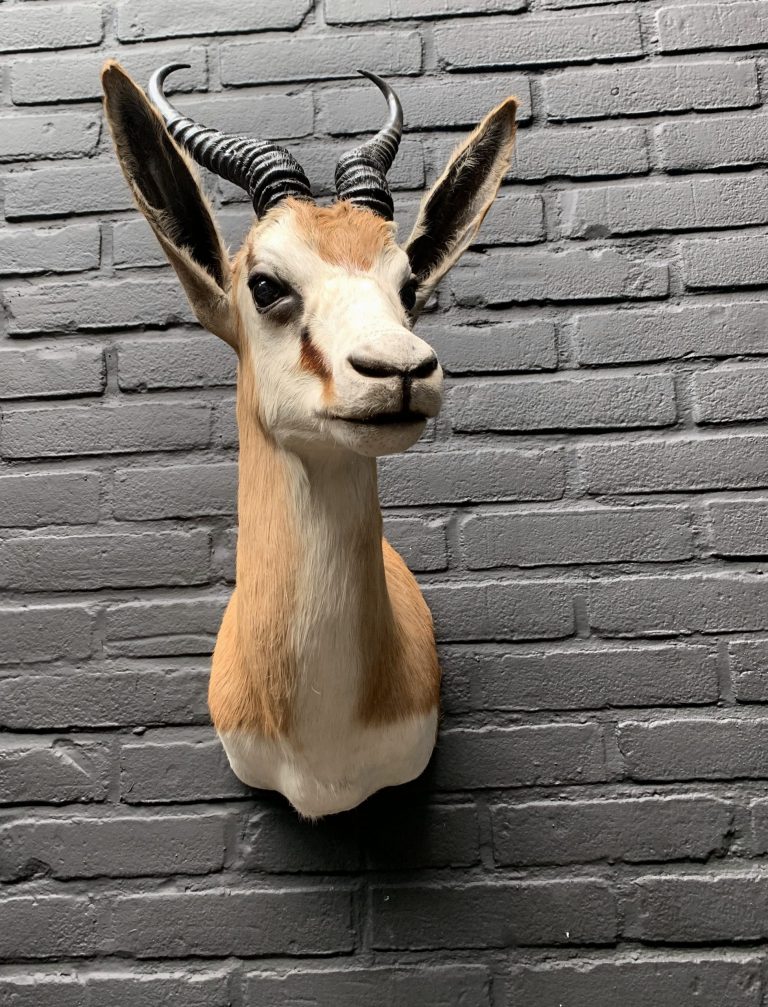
312 359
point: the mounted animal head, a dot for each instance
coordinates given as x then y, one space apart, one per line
319 302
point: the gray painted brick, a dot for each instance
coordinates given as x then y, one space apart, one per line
144 494
730 394
48 135
104 429
449 835
121 846
144 628
47 926
759 817
58 192
352 11
636 830
44 633
511 346
422 544
115 986
506 914
138 20
279 58
41 498
655 606
75 77
714 330
580 403
587 678
543 756
685 463
50 26
51 373
693 27
40 770
689 205
593 535
643 90
268 116
694 749
527 610
718 263
748 663
60 250
538 41
739 527
199 361
190 767
87 562
287 921
701 980
517 277
692 145
580 153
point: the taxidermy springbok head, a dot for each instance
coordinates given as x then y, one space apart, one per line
325 680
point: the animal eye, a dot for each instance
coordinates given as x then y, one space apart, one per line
266 290
408 295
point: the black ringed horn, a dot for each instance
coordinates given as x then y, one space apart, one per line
266 171
361 172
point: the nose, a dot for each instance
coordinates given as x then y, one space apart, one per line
371 367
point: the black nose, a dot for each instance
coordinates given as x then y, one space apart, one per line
371 368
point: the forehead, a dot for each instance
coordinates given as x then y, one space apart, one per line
341 234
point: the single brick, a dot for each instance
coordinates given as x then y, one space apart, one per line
60 192
699 909
225 433
40 770
542 756
279 58
398 835
421 543
656 606
45 926
100 699
510 346
508 277
759 815
690 463
123 846
44 633
268 116
199 361
466 477
350 11
686 205
513 219
176 766
51 373
636 830
33 498
538 41
594 535
276 841
431 104
704 980
523 610
718 263
693 27
695 749
221 922
104 429
739 527
138 20
48 135
573 679
144 628
650 88
116 986
75 76
504 914
50 26
571 403
748 660
95 306
715 330
692 145
579 153
730 394
144 494
60 250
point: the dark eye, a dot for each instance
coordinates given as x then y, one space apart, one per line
408 295
266 290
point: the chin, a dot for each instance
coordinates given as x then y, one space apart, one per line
372 440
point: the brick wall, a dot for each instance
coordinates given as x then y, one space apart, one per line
587 517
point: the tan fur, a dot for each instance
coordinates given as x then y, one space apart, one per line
342 234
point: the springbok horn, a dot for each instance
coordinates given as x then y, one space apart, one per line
361 172
267 172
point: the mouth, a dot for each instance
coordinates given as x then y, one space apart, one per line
400 418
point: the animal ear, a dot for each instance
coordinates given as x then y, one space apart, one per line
166 188
453 210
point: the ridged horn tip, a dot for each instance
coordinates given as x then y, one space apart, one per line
395 108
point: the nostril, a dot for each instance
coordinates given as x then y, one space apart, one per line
374 368
425 368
